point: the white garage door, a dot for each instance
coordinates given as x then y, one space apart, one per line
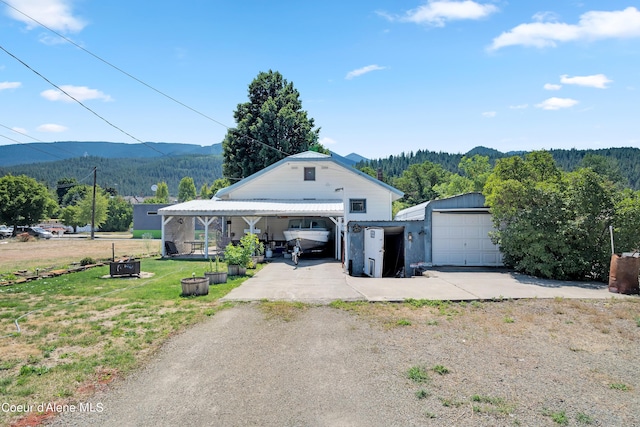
462 239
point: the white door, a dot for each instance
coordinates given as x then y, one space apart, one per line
462 239
373 251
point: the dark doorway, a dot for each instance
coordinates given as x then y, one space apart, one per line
393 261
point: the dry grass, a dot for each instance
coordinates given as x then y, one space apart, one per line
283 310
60 252
580 357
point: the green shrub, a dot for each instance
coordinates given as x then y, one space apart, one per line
87 261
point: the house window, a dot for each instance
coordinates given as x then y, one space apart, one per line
357 205
309 174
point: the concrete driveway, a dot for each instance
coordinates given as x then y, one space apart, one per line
323 281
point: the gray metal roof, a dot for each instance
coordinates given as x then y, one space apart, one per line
461 202
217 207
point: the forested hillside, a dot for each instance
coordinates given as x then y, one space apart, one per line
627 159
128 176
134 176
36 152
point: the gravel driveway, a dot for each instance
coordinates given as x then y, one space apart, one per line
490 364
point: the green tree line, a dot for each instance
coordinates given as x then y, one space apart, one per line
128 177
625 160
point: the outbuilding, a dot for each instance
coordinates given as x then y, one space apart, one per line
456 231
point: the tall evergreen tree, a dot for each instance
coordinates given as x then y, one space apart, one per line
271 126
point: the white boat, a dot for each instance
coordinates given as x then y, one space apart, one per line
312 233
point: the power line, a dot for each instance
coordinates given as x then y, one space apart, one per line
78 101
30 146
35 139
68 40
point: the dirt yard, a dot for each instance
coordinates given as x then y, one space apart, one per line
62 251
504 363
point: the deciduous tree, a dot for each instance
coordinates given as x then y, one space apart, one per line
119 215
186 189
549 223
24 201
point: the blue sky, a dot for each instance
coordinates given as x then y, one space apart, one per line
378 77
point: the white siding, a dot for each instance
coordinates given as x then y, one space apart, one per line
287 182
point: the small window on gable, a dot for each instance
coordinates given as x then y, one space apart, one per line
358 205
309 174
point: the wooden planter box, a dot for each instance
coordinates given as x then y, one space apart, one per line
236 270
216 277
124 268
195 286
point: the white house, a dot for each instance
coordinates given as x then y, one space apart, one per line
307 184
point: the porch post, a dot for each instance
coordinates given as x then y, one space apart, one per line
338 250
164 221
206 222
251 221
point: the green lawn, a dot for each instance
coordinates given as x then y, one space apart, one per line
83 329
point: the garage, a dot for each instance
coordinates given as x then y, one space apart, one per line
461 238
455 232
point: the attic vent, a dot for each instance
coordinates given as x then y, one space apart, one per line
310 198
324 167
294 167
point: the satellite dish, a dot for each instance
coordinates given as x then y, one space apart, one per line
154 187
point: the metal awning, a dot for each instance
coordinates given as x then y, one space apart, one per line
262 207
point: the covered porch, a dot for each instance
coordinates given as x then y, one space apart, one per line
230 219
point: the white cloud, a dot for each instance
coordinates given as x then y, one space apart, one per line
55 14
489 114
23 131
81 93
550 86
519 107
591 26
50 127
327 141
9 85
556 103
598 81
438 12
363 70
546 17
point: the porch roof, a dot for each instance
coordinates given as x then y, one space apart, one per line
256 207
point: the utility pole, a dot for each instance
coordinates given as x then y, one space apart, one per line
93 204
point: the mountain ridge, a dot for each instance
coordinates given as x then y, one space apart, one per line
134 168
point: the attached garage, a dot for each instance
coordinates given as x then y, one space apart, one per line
461 238
455 231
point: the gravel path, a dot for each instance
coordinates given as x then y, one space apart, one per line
331 367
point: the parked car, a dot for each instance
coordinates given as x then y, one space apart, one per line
38 232
55 229
5 231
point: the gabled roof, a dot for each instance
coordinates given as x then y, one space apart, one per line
473 201
306 157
